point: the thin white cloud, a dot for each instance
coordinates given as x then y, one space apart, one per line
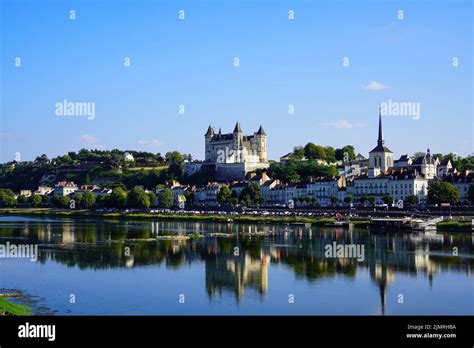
91 142
343 124
88 139
8 136
153 142
375 86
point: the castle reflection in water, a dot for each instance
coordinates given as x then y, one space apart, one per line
239 257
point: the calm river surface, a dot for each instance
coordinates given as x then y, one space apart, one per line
234 269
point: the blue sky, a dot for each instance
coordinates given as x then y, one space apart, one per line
190 62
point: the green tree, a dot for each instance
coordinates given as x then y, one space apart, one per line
165 198
412 200
371 199
298 153
350 151
87 180
388 200
79 200
152 197
41 160
224 195
251 195
118 198
348 199
189 195
443 192
137 198
35 200
88 199
347 153
45 199
330 154
7 198
22 199
419 154
313 151
61 201
334 200
176 164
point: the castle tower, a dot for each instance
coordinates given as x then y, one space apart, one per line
262 144
380 158
208 137
238 143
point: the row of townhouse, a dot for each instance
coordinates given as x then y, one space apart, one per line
206 194
62 188
66 188
397 184
323 189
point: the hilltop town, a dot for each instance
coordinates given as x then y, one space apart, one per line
236 171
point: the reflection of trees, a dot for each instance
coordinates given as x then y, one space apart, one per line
102 244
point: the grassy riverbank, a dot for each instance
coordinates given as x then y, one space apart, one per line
9 308
448 226
454 226
168 217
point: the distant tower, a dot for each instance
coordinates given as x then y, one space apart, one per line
380 158
262 144
238 143
208 137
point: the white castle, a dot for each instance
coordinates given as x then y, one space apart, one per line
236 147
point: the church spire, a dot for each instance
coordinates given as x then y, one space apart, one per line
380 140
237 128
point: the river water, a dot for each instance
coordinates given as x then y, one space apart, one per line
116 267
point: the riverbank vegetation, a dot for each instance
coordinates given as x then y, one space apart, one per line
454 226
170 217
10 308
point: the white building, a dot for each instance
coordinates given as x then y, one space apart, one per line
43 190
404 184
370 186
207 194
325 188
128 157
397 184
65 188
26 193
426 165
444 167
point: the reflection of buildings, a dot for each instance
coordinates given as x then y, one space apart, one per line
383 276
297 248
234 273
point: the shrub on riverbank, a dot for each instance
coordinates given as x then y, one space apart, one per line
454 226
